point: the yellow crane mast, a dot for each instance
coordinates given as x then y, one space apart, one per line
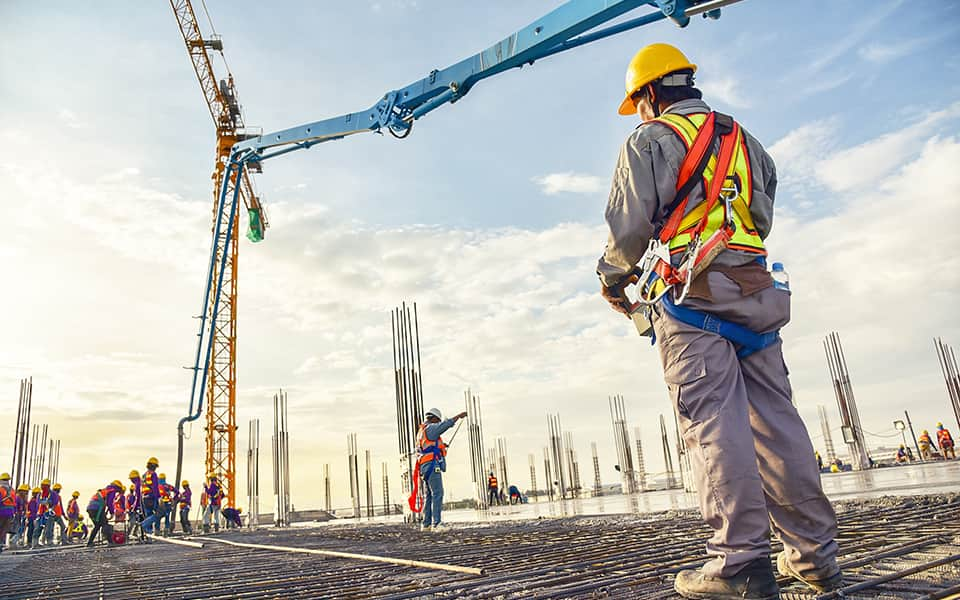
221 97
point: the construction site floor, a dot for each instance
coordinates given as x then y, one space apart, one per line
904 547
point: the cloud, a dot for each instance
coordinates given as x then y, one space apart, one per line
572 183
726 89
70 119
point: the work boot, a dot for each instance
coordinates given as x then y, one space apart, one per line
424 527
820 584
206 529
753 582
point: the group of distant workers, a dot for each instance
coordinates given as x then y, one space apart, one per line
495 494
928 450
148 506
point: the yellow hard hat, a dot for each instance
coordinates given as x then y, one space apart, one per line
163 475
57 486
185 483
36 490
239 510
5 477
45 482
80 517
153 461
134 474
23 488
939 425
75 494
117 484
648 65
133 488
924 431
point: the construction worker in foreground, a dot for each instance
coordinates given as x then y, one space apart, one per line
946 441
927 450
716 328
186 497
432 463
492 495
8 508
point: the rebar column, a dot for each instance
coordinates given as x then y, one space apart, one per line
503 478
475 440
353 467
827 435
386 491
533 478
253 472
641 466
408 389
327 500
369 487
550 483
853 431
621 440
19 470
667 455
555 436
597 486
281 460
951 375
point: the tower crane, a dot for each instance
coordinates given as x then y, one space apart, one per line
568 26
220 308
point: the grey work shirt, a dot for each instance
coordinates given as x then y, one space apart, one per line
433 432
645 183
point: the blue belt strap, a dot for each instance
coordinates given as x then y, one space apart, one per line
749 341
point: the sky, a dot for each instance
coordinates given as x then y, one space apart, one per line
489 216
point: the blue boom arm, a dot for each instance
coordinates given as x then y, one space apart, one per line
571 25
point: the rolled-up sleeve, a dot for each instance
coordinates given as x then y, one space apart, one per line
631 208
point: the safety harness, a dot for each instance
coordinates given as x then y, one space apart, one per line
656 273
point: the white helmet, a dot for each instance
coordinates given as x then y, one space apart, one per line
435 412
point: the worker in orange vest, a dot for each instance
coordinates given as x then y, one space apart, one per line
493 496
946 441
689 208
927 450
432 463
8 506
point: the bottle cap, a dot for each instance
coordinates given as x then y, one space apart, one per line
777 266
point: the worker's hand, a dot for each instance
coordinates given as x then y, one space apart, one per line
460 416
615 297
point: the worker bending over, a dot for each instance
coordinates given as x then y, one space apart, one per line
752 457
100 509
232 517
946 441
432 464
927 450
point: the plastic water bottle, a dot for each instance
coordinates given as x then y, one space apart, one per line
781 280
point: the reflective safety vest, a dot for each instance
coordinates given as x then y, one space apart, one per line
8 498
72 508
149 484
430 450
943 436
491 482
925 438
745 238
44 502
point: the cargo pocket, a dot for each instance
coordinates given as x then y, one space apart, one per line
681 373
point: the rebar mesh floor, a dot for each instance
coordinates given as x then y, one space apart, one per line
890 548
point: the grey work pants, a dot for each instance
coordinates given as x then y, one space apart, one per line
752 458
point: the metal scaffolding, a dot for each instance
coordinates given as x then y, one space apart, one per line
852 430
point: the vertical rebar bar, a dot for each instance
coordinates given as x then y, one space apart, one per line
386 491
641 466
369 474
827 435
667 457
843 388
533 478
597 486
327 501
